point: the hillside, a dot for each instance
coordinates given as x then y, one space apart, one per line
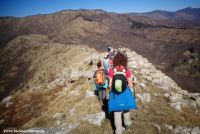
187 17
163 44
48 87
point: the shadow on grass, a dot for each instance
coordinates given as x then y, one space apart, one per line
109 115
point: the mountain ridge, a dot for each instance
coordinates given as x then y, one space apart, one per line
164 44
56 93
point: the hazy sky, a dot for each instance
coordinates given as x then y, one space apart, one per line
31 7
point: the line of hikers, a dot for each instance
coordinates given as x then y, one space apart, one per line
114 84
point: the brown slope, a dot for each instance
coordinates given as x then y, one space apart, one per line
162 45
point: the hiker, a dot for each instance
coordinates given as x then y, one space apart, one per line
101 82
111 52
121 99
105 62
134 82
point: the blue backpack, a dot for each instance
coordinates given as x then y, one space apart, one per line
123 101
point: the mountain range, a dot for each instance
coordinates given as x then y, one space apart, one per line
185 17
170 40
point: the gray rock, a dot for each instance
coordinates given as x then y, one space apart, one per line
180 91
9 104
170 127
89 94
167 95
186 130
37 88
72 111
76 74
145 71
176 105
6 99
59 116
195 130
95 119
198 101
194 95
149 78
165 86
189 103
158 127
175 97
142 85
155 94
182 130
144 97
74 92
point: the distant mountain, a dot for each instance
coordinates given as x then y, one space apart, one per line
187 17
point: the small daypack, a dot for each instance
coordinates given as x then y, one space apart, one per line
100 78
106 64
119 84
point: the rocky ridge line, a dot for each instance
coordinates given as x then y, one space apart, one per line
148 74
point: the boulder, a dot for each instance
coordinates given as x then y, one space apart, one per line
198 101
180 91
142 85
189 104
167 95
182 130
76 74
59 116
176 105
149 78
74 92
193 95
6 99
9 104
89 94
61 81
158 127
170 127
95 119
144 97
72 111
186 130
175 97
195 130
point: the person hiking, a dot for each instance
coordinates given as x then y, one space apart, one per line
121 99
134 82
105 62
111 54
101 81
